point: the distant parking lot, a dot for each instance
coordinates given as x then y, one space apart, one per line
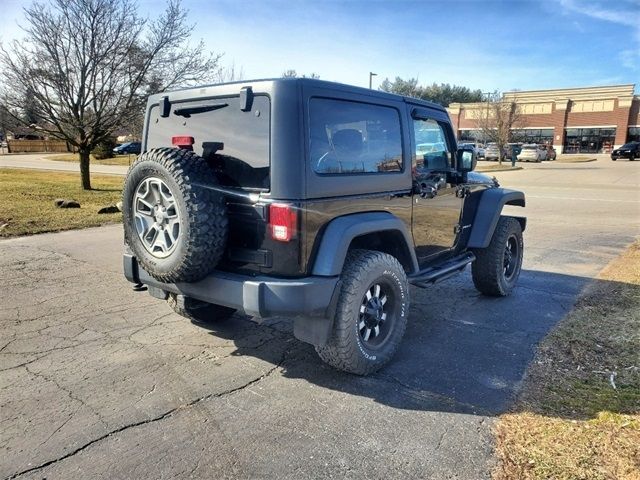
99 381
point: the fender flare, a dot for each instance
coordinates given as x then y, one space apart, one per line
338 235
488 213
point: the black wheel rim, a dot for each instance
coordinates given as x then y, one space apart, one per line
511 257
377 314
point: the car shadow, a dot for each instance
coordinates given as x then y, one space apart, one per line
462 352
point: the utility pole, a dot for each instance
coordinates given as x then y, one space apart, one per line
371 75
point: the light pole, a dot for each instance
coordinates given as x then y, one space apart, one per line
371 75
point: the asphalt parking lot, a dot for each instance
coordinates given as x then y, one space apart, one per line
98 381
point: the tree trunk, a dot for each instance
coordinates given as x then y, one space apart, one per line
84 153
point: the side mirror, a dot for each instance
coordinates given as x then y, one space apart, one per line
466 160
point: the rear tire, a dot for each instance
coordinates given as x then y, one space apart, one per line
197 311
371 315
497 267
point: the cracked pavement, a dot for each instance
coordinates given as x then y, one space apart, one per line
98 381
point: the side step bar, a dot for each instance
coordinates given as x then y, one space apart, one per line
432 275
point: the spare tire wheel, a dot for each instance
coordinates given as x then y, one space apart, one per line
174 215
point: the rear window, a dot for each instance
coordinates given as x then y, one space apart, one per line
351 138
235 143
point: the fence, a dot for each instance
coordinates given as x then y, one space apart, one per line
21 146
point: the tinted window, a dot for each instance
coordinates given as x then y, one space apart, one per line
431 145
243 161
349 138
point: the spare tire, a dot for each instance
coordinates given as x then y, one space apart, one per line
174 215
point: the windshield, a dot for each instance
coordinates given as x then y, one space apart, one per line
629 145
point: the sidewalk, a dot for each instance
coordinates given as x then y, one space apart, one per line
39 161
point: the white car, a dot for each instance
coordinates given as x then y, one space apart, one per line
533 152
479 149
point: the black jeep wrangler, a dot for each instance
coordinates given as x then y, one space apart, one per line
311 200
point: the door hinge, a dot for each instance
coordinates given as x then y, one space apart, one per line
462 192
459 228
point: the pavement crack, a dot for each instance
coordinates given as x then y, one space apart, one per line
157 418
442 435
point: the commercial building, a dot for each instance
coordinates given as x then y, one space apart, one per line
573 120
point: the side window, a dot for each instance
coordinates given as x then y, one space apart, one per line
350 138
432 152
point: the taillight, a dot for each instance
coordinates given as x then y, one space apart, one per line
283 222
183 142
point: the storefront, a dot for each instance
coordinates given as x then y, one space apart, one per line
573 120
589 140
543 136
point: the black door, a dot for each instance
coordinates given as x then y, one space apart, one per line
436 208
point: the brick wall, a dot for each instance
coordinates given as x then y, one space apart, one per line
634 112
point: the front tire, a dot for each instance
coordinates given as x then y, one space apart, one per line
497 267
371 315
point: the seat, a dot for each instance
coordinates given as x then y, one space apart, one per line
347 143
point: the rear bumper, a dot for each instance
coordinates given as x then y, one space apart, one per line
255 296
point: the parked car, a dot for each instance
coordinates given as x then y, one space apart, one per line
533 152
478 149
491 152
129 147
629 150
288 213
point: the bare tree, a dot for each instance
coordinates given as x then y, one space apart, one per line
88 65
496 121
7 121
230 74
293 74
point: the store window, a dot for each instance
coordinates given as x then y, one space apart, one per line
543 136
470 136
589 140
633 135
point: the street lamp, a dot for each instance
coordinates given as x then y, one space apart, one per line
371 75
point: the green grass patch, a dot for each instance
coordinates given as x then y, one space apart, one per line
578 414
117 160
28 195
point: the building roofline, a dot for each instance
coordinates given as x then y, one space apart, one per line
598 87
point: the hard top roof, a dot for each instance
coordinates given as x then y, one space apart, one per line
317 83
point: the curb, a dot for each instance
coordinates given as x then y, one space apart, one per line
579 161
505 169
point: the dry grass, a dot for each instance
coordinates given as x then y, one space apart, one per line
28 195
117 160
578 415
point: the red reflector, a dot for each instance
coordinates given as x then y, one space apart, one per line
283 222
182 141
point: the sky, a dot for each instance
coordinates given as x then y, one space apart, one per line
487 45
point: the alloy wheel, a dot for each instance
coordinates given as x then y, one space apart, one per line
157 217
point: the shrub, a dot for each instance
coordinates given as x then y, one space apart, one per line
104 149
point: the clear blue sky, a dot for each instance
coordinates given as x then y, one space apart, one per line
489 45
